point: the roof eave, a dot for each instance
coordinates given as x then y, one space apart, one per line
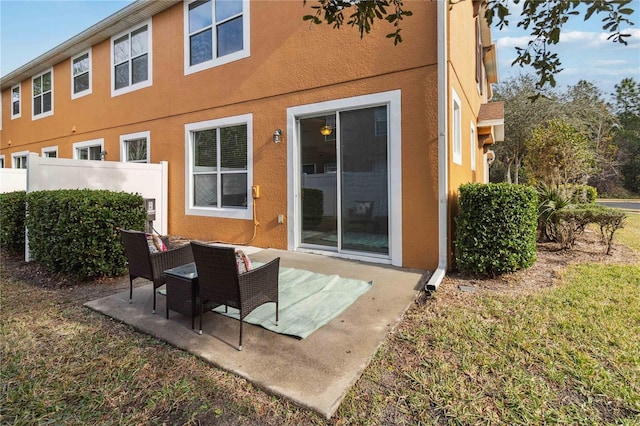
126 17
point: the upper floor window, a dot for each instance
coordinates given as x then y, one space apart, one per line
216 32
131 60
50 152
89 150
16 97
456 127
20 159
219 167
134 147
81 74
42 95
2 161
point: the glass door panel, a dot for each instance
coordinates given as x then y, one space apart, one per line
319 198
364 180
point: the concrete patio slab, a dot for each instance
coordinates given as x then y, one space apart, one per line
315 372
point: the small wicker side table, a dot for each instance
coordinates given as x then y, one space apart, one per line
182 291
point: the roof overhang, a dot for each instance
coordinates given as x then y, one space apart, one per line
491 123
123 19
490 56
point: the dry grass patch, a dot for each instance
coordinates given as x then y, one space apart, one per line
557 343
64 364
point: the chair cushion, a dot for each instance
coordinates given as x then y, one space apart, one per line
243 262
155 244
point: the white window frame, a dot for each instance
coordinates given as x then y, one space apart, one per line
137 86
19 154
132 136
48 113
48 149
89 90
19 114
456 127
222 212
88 144
2 161
473 142
215 61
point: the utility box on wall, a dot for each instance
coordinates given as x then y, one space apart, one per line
150 207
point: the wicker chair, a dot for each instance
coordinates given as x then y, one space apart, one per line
151 266
221 284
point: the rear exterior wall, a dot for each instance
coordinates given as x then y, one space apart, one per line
291 63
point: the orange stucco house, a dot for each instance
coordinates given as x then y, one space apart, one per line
276 132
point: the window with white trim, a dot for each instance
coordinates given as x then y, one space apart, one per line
473 142
89 150
456 127
16 98
50 152
216 33
2 161
131 60
81 74
42 86
134 147
19 159
219 167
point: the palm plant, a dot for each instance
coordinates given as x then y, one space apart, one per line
551 199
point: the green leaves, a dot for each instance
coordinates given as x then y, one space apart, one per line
363 14
12 216
545 21
76 231
496 228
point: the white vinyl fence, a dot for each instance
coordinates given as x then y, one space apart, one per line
148 180
13 180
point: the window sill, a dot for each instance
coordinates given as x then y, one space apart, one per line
241 214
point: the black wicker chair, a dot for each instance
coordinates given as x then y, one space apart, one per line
221 284
151 266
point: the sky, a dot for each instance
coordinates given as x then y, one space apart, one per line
29 28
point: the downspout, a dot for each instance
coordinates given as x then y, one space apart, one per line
443 157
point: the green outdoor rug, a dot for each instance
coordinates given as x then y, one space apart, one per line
307 302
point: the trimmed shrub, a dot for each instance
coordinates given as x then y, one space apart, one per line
312 207
76 231
496 228
572 222
553 199
12 215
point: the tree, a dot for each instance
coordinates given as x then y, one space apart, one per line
626 104
585 109
558 154
543 20
521 116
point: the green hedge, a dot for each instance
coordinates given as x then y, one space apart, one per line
572 221
76 231
12 215
496 228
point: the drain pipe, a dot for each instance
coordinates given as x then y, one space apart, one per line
443 155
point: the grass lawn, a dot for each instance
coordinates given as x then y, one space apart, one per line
565 354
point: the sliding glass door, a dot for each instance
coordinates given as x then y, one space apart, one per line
345 181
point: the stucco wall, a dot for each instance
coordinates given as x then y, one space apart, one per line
291 63
462 79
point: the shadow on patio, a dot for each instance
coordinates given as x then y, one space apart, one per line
315 372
